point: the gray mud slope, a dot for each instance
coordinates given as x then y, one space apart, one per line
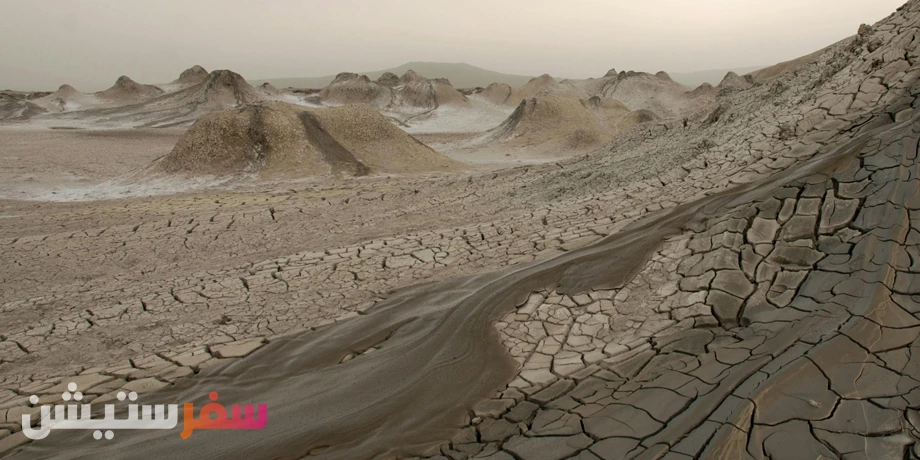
338 157
220 90
438 354
283 140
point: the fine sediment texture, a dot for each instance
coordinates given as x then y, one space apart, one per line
337 156
737 284
435 353
276 139
822 364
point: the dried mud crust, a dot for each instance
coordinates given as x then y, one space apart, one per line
818 275
781 324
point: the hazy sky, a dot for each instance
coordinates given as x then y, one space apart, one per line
89 43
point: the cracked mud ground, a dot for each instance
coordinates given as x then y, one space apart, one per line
743 285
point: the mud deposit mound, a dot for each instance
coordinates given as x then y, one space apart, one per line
270 90
639 90
16 105
66 99
427 94
389 79
126 91
222 89
656 93
277 139
544 84
409 94
189 77
553 124
193 75
498 93
351 88
734 82
549 119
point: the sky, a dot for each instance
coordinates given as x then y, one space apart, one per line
90 43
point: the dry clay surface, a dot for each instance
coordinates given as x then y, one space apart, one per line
65 164
734 285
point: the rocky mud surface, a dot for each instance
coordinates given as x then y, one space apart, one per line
735 283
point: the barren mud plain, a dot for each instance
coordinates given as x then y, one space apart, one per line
618 267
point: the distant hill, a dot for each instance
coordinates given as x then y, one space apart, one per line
460 76
713 77
468 76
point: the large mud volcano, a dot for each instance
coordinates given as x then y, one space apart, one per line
552 124
67 98
428 94
128 91
282 140
351 88
219 90
409 93
191 76
222 89
550 119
